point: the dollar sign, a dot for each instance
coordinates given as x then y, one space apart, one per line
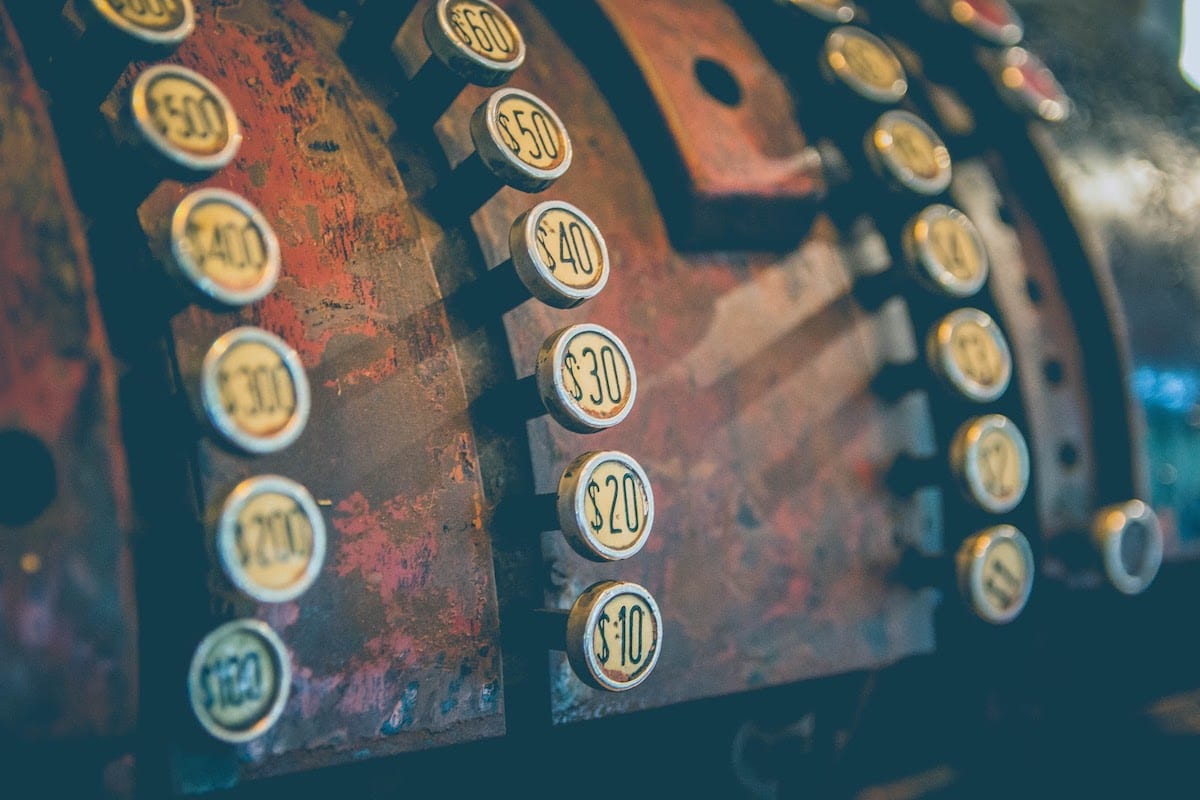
569 368
547 256
509 139
597 521
205 676
603 654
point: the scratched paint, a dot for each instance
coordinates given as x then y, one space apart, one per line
773 532
395 647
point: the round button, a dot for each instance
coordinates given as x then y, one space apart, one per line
1028 85
163 23
993 22
968 351
995 573
946 252
239 680
991 462
1130 540
475 39
223 249
904 149
842 11
614 632
520 140
605 506
862 62
254 390
559 254
585 378
185 117
271 538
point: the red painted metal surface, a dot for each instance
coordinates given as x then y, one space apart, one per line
777 540
775 536
68 627
395 647
744 174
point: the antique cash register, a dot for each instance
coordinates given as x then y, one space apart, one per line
732 398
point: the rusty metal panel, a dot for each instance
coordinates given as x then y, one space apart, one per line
395 647
774 533
734 171
68 626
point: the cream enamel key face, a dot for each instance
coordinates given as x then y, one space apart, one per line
946 251
568 247
161 22
606 506
991 458
908 151
483 29
239 680
614 634
865 64
271 538
559 254
996 573
223 247
586 378
1000 466
185 117
254 390
530 131
624 639
520 140
969 351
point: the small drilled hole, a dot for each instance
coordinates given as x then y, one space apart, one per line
32 482
1053 370
1034 290
718 82
1068 456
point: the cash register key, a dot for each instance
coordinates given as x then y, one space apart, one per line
995 573
239 680
470 42
559 254
906 152
605 506
585 378
270 538
160 23
186 119
475 40
969 353
990 460
1028 85
520 140
254 391
836 11
945 252
993 22
222 249
1130 540
863 63
614 634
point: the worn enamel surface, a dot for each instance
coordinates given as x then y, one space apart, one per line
394 646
